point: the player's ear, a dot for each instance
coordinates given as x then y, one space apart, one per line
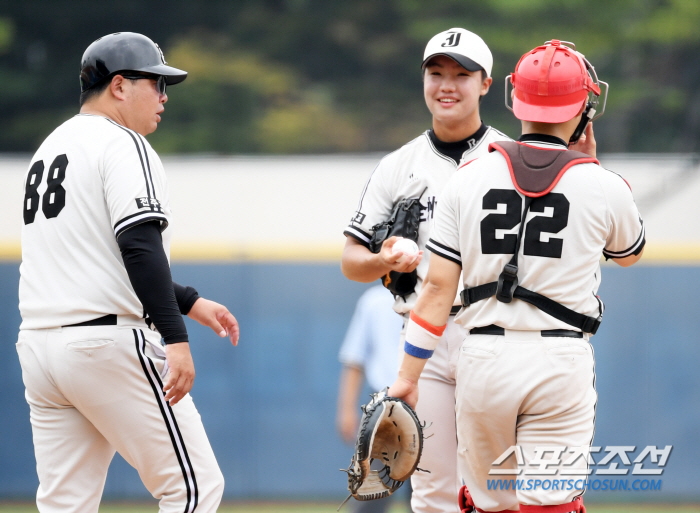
583 107
485 84
118 87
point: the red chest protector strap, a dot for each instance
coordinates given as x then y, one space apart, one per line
534 172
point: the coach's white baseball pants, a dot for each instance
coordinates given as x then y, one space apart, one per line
93 390
436 492
522 389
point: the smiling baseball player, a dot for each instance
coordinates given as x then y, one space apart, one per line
525 226
95 282
456 74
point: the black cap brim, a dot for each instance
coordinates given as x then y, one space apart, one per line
463 61
172 75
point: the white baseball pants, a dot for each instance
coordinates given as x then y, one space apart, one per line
96 390
522 389
436 492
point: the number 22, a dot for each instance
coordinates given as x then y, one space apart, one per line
511 218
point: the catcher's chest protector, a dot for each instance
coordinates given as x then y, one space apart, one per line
535 171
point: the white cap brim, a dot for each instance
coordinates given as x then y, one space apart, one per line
462 60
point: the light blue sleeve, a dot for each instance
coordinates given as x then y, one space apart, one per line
356 346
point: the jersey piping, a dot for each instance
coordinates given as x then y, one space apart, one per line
354 232
138 218
150 175
435 150
634 249
444 251
364 191
483 138
155 209
363 237
170 423
595 405
403 174
150 189
438 152
357 234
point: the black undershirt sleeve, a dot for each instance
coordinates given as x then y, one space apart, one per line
147 266
185 297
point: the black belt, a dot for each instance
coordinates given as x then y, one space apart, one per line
107 320
455 309
492 329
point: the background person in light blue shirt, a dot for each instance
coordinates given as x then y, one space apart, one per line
371 351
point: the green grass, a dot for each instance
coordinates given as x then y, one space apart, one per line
330 508
225 508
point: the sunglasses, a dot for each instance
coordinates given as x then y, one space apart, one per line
160 80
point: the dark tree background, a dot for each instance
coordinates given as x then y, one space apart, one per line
303 76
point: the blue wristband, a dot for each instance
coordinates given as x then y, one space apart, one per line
418 352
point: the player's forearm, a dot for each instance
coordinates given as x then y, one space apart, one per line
351 378
428 318
438 291
149 273
358 263
411 368
435 302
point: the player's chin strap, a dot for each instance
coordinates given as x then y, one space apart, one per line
507 288
593 101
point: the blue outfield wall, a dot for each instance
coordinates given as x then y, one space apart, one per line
269 404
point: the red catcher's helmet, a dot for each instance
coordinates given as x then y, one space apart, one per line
552 83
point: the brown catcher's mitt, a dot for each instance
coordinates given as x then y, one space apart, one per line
391 434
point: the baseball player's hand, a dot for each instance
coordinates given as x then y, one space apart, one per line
180 373
405 389
586 143
217 317
390 259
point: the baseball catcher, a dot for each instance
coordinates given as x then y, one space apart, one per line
391 434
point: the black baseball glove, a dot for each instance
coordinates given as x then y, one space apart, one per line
391 434
403 222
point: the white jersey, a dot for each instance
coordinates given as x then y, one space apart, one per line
89 181
590 211
414 169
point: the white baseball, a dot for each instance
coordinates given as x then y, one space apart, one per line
409 249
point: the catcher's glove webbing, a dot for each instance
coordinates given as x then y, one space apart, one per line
391 434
